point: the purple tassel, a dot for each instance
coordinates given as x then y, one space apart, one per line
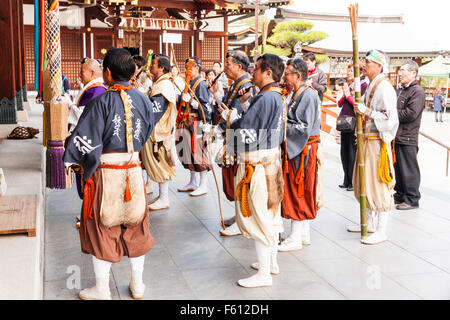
57 169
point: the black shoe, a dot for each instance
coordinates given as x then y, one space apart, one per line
343 186
350 188
397 202
405 206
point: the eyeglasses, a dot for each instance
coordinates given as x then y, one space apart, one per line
84 60
237 59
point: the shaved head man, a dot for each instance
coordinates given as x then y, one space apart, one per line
90 70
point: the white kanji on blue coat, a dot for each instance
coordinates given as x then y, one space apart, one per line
248 135
84 144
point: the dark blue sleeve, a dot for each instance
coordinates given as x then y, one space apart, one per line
84 145
203 96
250 131
160 105
235 104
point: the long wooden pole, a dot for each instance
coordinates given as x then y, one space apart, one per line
255 56
353 10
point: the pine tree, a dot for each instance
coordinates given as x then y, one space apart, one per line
287 34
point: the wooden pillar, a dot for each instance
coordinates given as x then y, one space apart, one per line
197 46
18 53
7 80
22 50
225 29
117 39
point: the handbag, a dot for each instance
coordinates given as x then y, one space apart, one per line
346 123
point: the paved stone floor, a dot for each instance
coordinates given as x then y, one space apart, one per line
190 260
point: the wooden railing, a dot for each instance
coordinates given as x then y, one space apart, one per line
325 111
442 145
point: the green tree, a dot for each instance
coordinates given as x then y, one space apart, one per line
288 33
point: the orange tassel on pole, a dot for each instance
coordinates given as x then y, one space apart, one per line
127 189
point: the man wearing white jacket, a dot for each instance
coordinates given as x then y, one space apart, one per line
379 109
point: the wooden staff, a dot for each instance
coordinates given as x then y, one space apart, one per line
353 10
210 156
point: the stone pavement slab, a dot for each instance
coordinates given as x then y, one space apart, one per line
21 260
190 260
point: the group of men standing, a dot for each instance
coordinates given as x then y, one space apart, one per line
271 157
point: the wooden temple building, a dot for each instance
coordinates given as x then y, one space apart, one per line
90 27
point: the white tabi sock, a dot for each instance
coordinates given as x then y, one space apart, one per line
137 286
262 278
148 184
101 289
274 269
296 230
194 177
306 232
101 267
162 201
193 182
380 234
294 241
164 191
371 223
137 264
203 187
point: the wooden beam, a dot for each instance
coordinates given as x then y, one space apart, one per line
225 29
18 43
7 81
188 5
197 45
22 36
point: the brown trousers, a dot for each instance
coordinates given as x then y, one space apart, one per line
111 244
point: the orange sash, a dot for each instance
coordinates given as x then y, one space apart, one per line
300 178
242 189
89 188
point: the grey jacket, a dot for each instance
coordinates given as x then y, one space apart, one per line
320 82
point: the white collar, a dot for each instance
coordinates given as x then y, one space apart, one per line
100 79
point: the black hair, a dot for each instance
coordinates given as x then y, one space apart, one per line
220 63
299 66
197 61
210 70
163 61
310 56
239 57
140 61
120 62
274 63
